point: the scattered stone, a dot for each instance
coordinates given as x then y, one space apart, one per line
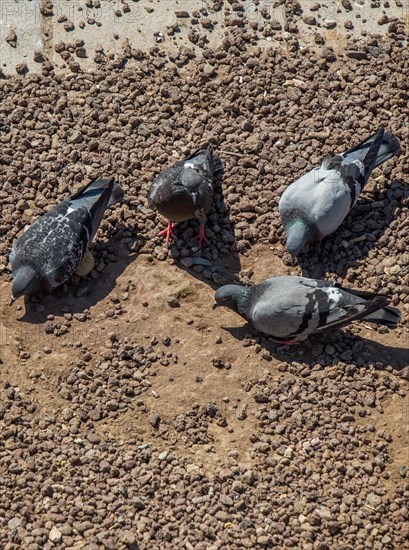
383 19
11 39
21 68
55 535
154 419
357 54
38 56
330 23
173 302
14 523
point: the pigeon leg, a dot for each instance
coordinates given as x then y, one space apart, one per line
201 237
319 244
168 231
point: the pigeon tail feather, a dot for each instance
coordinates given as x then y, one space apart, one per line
214 161
98 183
371 156
384 315
390 147
117 195
95 197
388 316
217 165
383 142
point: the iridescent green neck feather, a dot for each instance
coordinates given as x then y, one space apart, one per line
242 299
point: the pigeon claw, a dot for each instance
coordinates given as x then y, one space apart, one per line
201 237
168 231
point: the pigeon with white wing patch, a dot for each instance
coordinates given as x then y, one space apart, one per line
291 308
317 203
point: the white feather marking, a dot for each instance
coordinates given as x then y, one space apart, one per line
334 294
360 165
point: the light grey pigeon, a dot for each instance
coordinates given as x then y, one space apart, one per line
291 308
185 190
49 251
317 203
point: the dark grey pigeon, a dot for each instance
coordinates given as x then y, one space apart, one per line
48 253
317 203
185 190
291 308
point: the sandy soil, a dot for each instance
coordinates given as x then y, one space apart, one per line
175 388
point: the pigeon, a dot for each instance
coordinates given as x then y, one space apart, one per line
49 251
291 308
185 191
317 203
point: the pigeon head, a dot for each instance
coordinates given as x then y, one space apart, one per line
232 296
25 281
298 234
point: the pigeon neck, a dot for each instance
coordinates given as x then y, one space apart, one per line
243 297
297 222
298 234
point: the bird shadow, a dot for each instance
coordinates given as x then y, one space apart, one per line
325 349
80 294
224 270
346 248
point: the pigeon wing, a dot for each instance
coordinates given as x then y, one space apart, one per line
352 175
94 199
165 185
348 312
55 244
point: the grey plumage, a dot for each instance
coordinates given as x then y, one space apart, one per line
49 251
185 190
291 308
317 203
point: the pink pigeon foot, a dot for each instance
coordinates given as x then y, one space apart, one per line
285 343
201 237
168 231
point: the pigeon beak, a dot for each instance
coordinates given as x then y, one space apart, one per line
12 300
215 305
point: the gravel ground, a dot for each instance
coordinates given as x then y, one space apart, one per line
129 417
